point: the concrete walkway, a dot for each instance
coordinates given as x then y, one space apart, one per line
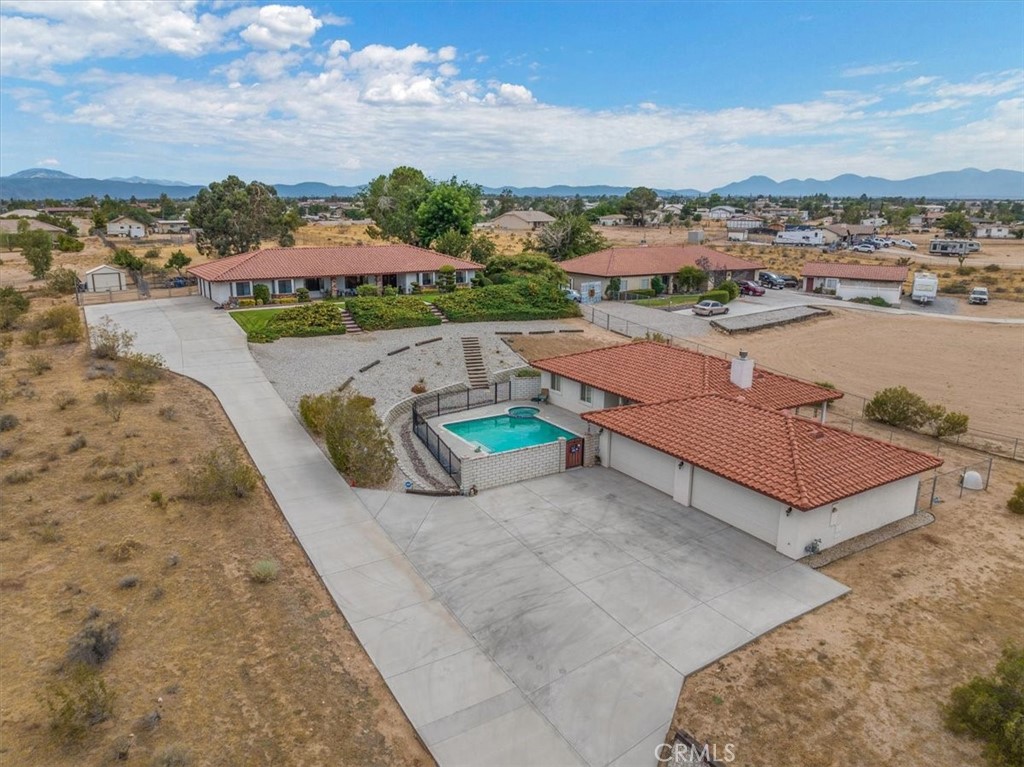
547 623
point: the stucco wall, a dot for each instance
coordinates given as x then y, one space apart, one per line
887 290
569 397
650 466
736 505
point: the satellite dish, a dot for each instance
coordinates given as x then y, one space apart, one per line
972 480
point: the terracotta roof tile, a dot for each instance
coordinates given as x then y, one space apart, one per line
793 460
875 272
668 259
337 261
651 372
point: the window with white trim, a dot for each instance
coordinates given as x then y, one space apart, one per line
284 287
586 393
427 278
460 277
645 282
556 382
243 288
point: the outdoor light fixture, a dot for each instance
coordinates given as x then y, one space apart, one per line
789 511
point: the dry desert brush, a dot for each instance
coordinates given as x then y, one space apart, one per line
357 442
77 702
220 475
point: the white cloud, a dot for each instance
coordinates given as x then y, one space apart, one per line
507 93
49 162
280 27
877 69
985 86
919 82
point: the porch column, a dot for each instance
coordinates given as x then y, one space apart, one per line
824 410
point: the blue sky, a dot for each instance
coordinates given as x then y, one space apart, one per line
666 94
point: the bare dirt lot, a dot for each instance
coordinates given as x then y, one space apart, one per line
970 367
860 681
541 346
239 672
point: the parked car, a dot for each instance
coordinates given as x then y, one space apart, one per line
863 248
906 244
978 296
572 295
710 308
790 281
175 282
748 288
771 280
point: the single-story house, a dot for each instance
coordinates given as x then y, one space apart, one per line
848 234
171 226
993 231
326 271
104 278
10 226
743 221
722 436
722 212
855 280
122 226
615 219
523 220
22 213
635 267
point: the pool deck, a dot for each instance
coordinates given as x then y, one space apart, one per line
550 413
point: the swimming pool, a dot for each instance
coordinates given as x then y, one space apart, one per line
501 433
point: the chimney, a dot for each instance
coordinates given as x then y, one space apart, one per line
742 372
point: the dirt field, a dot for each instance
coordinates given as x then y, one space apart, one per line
859 682
239 672
541 346
970 367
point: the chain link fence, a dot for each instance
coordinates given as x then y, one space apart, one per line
949 485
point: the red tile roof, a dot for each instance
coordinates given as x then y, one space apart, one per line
337 261
793 460
651 372
872 272
668 259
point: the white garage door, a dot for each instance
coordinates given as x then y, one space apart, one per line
735 505
652 467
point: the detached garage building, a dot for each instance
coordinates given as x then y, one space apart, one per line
848 281
106 277
722 437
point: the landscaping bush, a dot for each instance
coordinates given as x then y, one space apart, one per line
12 305
384 313
316 409
77 703
359 445
722 296
286 300
951 424
874 301
991 709
446 279
247 302
1016 502
366 290
302 294
657 285
520 300
303 322
62 281
898 406
730 287
220 475
641 293
261 293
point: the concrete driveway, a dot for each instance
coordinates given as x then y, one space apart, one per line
548 623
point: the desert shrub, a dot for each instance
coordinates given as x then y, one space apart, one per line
898 406
951 424
382 313
68 244
302 294
94 644
157 499
19 477
168 413
366 290
316 409
519 300
220 475
34 337
124 549
64 399
1016 502
65 322
78 702
965 271
128 582
111 402
38 364
107 496
142 368
131 391
8 421
873 301
991 709
261 293
263 571
12 305
722 296
958 288
730 287
62 281
321 319
172 756
992 268
109 342
77 443
359 445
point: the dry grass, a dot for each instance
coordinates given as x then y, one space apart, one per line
541 346
239 673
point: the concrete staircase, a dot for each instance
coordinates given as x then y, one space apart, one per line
350 324
475 367
437 312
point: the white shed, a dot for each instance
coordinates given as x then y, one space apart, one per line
125 227
104 278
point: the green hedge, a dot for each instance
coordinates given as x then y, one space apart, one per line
522 300
302 322
390 312
722 296
641 293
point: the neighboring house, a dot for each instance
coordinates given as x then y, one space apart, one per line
326 271
722 212
635 267
104 278
522 220
10 226
122 226
855 280
874 221
993 231
171 226
21 213
719 436
743 221
616 219
848 234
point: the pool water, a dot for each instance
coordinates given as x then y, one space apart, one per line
501 433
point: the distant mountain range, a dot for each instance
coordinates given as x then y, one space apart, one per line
970 183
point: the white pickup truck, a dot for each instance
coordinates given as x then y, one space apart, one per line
978 296
926 287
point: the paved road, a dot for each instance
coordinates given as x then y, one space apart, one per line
547 623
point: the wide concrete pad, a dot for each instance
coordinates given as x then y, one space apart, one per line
545 623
